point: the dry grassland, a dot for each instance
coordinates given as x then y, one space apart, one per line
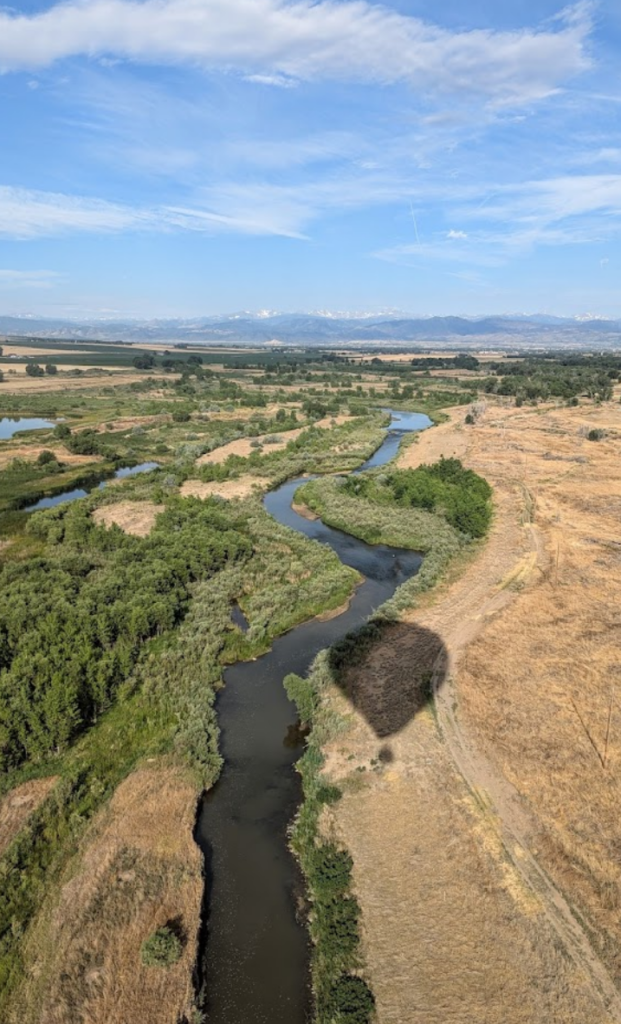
486 840
137 870
128 422
91 378
240 488
135 517
32 350
244 447
17 806
29 452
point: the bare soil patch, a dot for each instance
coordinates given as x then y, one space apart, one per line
18 804
138 869
240 488
135 517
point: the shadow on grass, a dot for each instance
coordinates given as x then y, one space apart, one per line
396 681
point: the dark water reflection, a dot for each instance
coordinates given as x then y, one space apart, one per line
79 492
256 958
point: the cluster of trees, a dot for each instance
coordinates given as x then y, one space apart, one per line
72 622
145 361
34 370
445 487
460 362
84 442
547 377
191 365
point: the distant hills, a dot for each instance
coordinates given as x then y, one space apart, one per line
382 331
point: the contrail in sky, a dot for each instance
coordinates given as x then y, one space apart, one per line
415 224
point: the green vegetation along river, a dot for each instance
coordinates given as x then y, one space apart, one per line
255 950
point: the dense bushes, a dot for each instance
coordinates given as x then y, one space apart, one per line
459 494
72 623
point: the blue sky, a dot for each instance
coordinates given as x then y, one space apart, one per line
187 157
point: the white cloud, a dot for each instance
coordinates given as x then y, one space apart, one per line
300 39
28 278
554 200
608 155
457 235
27 214
280 81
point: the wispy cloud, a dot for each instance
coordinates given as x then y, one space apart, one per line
516 219
28 278
27 214
281 41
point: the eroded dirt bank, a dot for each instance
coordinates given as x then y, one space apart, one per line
484 834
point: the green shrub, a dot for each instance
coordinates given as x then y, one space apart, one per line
46 458
162 949
352 1000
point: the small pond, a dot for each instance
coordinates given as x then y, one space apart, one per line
9 426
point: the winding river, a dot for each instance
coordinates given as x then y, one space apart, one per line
255 955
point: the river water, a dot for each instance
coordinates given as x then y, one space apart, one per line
255 967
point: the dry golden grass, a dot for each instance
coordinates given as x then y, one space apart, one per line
23 384
32 350
138 868
29 452
239 488
451 935
18 804
135 517
538 686
479 846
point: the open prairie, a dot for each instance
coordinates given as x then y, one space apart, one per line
486 838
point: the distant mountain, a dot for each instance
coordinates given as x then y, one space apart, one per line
309 329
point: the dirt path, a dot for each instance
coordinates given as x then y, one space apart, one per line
446 785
